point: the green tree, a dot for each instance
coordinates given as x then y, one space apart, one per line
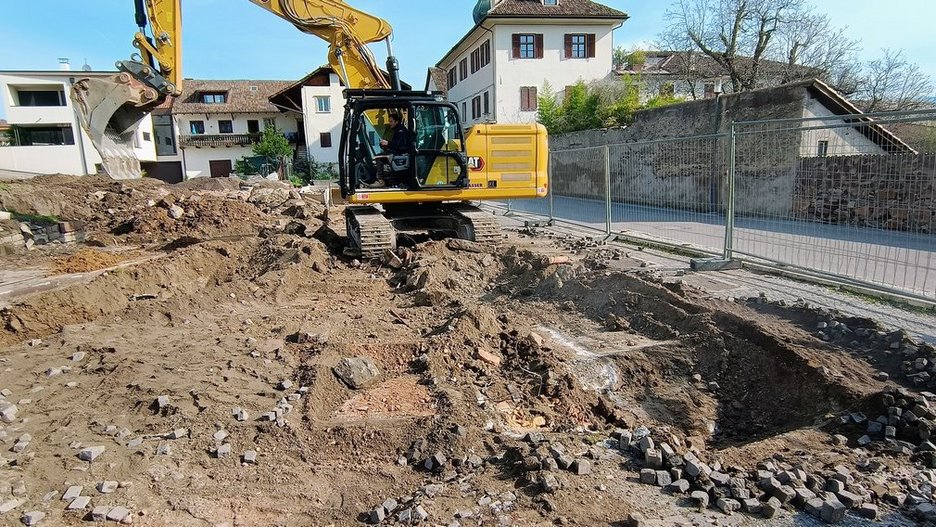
273 145
580 108
548 112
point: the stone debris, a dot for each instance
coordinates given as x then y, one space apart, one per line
107 487
80 503
91 453
162 402
250 457
33 517
119 515
11 504
357 372
223 450
8 411
240 414
72 492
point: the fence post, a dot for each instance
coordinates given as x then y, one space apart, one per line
607 188
550 188
730 206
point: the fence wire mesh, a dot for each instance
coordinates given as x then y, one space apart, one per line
844 196
852 198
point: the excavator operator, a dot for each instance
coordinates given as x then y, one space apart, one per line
397 146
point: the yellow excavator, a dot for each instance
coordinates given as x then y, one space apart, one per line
427 187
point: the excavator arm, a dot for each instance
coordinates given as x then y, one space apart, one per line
110 109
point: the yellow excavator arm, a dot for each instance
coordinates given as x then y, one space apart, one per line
111 108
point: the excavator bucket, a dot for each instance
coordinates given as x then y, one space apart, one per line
110 110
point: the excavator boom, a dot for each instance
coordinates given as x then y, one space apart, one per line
111 109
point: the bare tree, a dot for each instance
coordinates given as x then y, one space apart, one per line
893 83
736 34
812 47
762 42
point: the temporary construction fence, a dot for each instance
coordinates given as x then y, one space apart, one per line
849 198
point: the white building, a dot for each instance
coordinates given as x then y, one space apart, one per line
496 72
317 102
46 135
216 123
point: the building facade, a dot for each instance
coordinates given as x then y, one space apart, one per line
216 124
317 102
45 136
498 70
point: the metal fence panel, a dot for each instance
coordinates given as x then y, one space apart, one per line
844 197
839 195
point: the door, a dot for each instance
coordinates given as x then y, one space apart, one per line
221 168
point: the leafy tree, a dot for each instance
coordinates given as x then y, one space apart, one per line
548 111
273 145
595 105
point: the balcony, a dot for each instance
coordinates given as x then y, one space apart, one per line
217 141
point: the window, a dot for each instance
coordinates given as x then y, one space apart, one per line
487 103
550 2
253 126
43 135
214 97
580 46
464 112
527 46
254 88
452 77
823 148
476 107
323 104
485 53
475 60
463 69
325 140
147 136
197 127
226 127
528 102
269 122
164 129
41 97
709 90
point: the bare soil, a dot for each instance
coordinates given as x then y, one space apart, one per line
250 288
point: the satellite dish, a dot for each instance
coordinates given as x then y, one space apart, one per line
86 67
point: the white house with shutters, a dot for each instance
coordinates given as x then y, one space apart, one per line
44 135
496 72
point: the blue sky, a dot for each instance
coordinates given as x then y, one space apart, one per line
233 39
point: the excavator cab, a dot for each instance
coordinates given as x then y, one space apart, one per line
436 159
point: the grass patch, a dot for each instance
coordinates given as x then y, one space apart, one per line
34 218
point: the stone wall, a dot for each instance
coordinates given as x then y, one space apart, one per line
894 192
15 236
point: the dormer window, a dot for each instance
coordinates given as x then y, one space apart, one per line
214 97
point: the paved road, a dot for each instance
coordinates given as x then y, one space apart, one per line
904 261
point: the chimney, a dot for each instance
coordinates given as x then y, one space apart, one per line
64 64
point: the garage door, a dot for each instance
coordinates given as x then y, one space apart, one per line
222 168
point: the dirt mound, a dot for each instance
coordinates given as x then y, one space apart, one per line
86 260
213 184
198 216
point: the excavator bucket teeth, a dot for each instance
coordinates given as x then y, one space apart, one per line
110 110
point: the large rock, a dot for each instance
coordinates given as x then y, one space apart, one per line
357 372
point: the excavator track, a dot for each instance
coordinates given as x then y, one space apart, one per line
370 231
477 225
